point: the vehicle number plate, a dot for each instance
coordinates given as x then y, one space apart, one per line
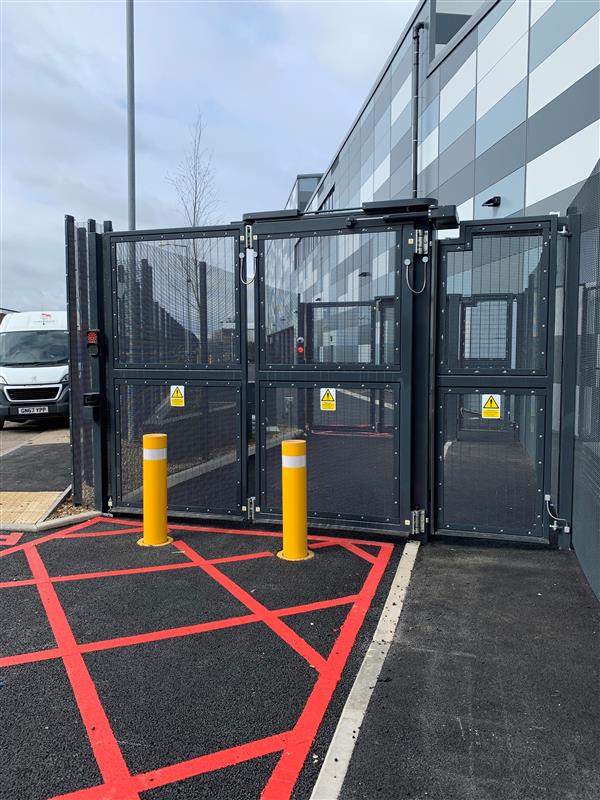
33 410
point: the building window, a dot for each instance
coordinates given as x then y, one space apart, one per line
327 204
447 18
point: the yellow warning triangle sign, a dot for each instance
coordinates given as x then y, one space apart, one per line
177 394
327 397
491 402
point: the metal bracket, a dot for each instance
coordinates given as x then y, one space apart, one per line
251 507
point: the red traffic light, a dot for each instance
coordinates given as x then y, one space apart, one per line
300 349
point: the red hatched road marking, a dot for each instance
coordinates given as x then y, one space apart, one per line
289 636
56 535
84 576
284 776
107 752
294 745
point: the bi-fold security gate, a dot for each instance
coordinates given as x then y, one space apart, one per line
349 329
321 347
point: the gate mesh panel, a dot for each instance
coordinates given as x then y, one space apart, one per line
490 473
352 466
340 334
176 302
495 300
353 272
203 456
586 501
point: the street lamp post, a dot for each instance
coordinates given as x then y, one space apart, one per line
130 119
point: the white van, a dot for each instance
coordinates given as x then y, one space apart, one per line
34 366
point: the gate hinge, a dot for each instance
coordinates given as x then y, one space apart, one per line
417 521
251 508
421 242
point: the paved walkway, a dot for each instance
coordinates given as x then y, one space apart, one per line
35 470
205 669
490 690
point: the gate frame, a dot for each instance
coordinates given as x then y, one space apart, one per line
208 374
561 473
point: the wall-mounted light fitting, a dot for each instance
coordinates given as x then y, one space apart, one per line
493 202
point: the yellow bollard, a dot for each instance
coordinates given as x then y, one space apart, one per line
154 489
293 495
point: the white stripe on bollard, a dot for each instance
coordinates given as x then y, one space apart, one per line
155 455
293 461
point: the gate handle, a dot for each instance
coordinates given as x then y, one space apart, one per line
242 256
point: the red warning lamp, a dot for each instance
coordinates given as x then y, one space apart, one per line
300 346
93 342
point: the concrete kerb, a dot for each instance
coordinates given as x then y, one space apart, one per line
49 524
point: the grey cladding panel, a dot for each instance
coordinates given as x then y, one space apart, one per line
503 117
459 188
500 160
457 58
554 27
556 203
571 111
511 189
458 155
488 22
457 121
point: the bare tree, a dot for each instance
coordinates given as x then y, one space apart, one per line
194 184
194 180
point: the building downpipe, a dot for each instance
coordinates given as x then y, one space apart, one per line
415 104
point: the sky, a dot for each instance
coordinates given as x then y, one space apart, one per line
278 85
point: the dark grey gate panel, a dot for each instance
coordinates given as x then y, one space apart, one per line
175 320
494 337
338 291
494 305
490 471
176 302
352 452
203 444
337 314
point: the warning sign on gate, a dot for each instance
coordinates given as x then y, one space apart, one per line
490 406
328 399
178 396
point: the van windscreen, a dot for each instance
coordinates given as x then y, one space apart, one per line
33 348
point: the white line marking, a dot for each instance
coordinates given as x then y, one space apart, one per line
336 762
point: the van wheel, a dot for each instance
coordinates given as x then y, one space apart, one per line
1 424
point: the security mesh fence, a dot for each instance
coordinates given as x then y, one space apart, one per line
490 472
176 302
351 454
203 445
586 501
